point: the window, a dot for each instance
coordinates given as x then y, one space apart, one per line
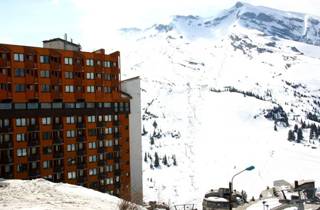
107 64
108 130
46 164
47 150
71 134
68 61
68 75
20 87
71 147
109 181
44 59
20 106
21 167
90 89
108 118
89 62
92 171
20 122
45 73
91 118
90 75
92 145
45 88
69 88
93 158
92 132
45 106
19 73
46 120
108 168
18 57
21 152
4 123
108 143
72 175
46 135
70 120
21 137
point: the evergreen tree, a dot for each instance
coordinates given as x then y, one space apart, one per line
145 157
155 125
295 128
275 127
299 135
291 136
174 160
144 132
151 140
164 160
156 160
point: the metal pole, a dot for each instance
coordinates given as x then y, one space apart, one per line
230 196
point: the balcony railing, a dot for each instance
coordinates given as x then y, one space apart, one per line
58 169
101 162
57 140
33 128
101 124
6 145
80 139
33 142
117 172
80 125
81 165
102 175
116 147
4 63
34 173
6 160
35 157
57 126
81 152
81 179
58 155
5 129
101 150
101 136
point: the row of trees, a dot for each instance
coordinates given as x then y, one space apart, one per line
297 133
156 161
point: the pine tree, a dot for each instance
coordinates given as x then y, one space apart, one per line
164 160
275 127
145 157
295 128
299 135
156 160
155 125
174 160
291 136
144 132
151 140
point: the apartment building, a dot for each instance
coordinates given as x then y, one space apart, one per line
63 116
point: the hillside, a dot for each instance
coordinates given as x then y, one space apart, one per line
44 195
220 94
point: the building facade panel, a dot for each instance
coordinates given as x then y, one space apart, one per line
63 118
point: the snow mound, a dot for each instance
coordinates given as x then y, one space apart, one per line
40 194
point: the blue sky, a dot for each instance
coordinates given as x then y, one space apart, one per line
93 22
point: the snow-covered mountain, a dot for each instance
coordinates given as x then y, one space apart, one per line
220 94
40 194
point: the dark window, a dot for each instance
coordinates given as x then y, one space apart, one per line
19 73
44 59
20 87
46 135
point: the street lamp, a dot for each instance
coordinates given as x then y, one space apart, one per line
250 168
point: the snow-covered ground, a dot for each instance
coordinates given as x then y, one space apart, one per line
194 74
40 194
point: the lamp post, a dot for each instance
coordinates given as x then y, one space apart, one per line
250 168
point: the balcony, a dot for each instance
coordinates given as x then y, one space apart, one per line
4 63
56 95
34 157
57 126
80 125
117 172
101 136
117 135
5 129
81 179
34 173
81 152
30 64
33 128
6 145
80 139
33 142
58 155
101 150
81 165
116 147
6 160
58 169
117 184
7 175
101 124
116 123
102 176
101 162
55 66
57 140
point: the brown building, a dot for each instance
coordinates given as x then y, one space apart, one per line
63 116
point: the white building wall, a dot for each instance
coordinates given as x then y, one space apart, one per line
132 87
